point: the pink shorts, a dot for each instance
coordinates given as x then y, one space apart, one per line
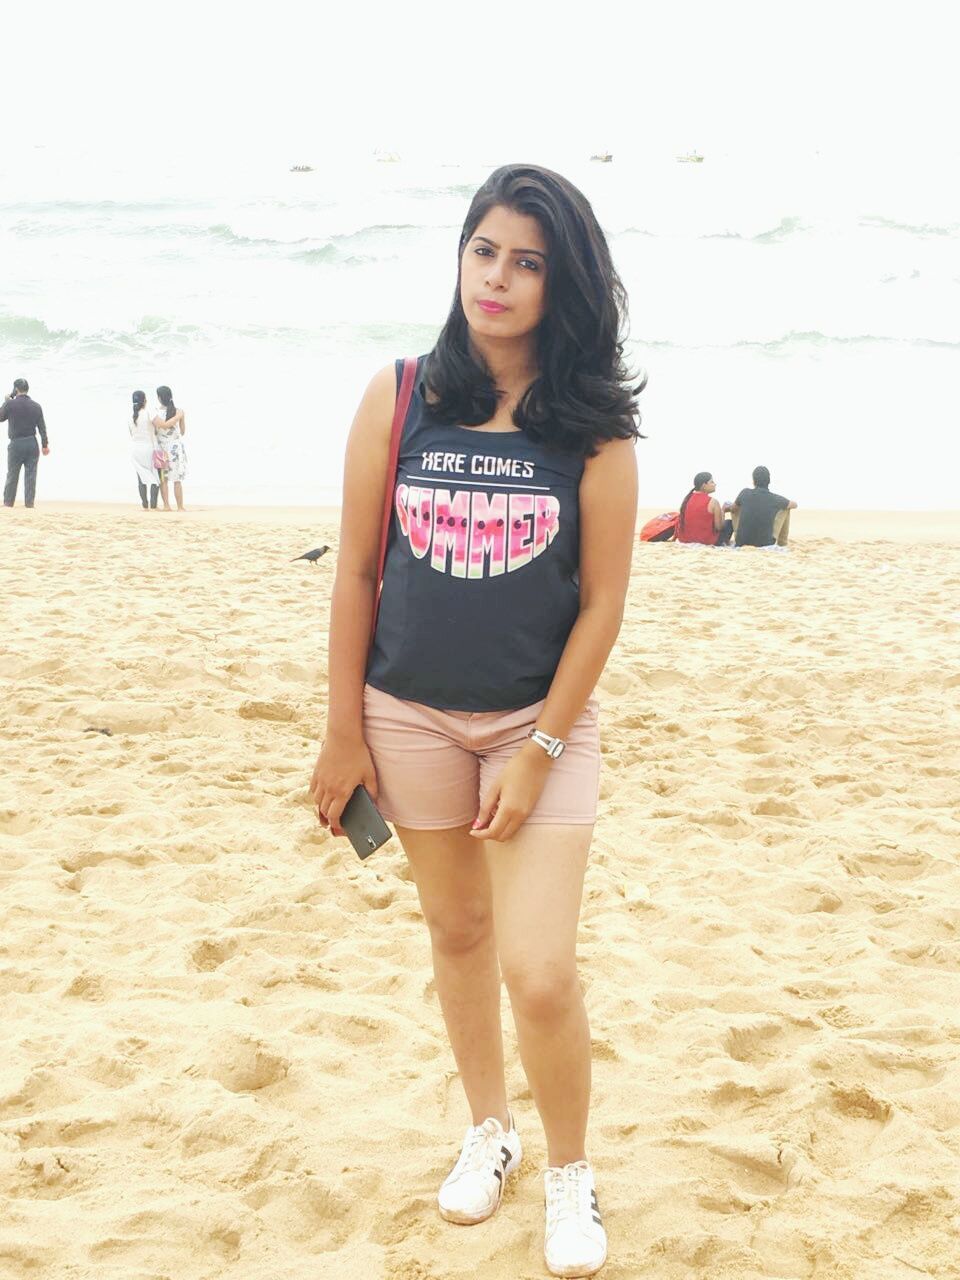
433 766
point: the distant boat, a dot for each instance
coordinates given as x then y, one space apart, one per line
692 157
386 157
301 168
604 157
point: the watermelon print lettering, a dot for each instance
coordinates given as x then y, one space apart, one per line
472 534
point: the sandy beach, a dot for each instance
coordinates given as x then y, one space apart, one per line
223 1055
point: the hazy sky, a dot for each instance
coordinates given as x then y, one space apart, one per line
515 78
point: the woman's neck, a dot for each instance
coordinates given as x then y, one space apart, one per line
511 361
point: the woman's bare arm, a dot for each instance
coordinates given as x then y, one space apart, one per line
713 506
344 760
608 515
351 606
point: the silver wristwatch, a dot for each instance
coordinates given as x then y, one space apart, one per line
554 747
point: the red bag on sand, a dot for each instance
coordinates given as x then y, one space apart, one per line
661 528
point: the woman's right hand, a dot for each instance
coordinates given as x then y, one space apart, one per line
342 765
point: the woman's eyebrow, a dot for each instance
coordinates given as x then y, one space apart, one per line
493 244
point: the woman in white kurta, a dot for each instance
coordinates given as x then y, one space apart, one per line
170 424
143 442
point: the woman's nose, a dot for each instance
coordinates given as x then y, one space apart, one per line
494 276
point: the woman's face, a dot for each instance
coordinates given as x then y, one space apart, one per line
503 275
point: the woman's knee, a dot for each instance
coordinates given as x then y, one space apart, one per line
461 929
541 993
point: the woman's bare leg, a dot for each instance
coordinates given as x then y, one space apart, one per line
165 493
537 884
453 882
178 494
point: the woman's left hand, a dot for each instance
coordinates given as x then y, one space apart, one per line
513 796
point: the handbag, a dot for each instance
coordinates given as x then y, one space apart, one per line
399 416
159 460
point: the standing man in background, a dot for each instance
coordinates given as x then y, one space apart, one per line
24 418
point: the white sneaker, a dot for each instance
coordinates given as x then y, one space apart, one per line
574 1242
474 1187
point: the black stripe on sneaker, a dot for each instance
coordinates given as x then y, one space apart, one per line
505 1152
498 1174
597 1220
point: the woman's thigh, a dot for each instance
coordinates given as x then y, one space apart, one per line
537 886
453 882
426 778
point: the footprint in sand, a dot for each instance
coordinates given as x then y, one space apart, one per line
277 711
764 1039
211 953
242 1063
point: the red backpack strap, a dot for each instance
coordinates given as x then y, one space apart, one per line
399 417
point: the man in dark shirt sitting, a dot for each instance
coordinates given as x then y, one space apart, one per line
24 418
761 518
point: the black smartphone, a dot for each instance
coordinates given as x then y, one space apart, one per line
363 823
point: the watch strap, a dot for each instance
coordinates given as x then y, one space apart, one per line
554 747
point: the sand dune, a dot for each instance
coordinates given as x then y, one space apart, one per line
223 1052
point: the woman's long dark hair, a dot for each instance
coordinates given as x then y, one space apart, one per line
699 480
165 396
583 393
139 400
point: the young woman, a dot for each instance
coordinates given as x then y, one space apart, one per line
701 515
170 424
143 437
471 716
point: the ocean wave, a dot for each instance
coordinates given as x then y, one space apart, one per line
773 235
914 229
784 228
33 335
28 332
157 335
341 250
459 191
412 339
794 339
95 206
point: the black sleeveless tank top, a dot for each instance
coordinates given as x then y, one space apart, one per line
480 585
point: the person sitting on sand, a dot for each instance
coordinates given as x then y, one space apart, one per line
761 518
470 717
170 424
701 516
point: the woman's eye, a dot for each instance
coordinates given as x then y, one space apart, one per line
529 262
482 249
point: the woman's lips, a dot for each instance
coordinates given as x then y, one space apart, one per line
492 308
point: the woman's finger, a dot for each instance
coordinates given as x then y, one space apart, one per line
488 807
336 808
498 824
325 804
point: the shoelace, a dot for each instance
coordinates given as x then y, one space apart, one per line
482 1146
563 1194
